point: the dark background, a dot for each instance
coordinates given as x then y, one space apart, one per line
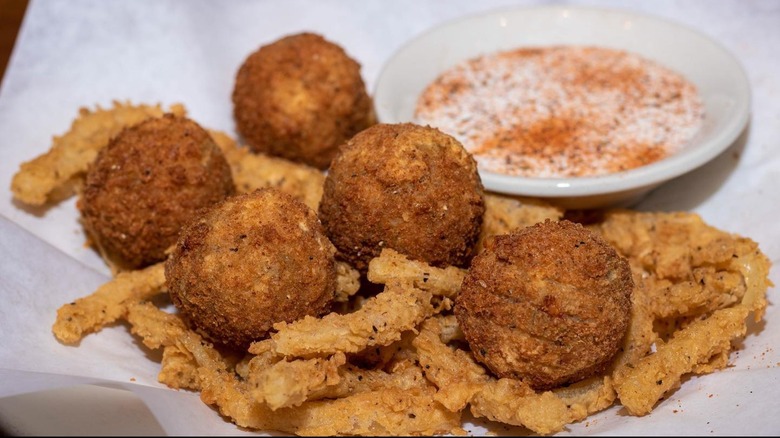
11 14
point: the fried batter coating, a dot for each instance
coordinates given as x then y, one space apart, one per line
462 381
406 187
548 304
642 385
380 321
504 214
53 175
393 266
150 180
288 384
697 284
375 409
252 171
251 261
178 369
382 412
108 303
690 267
299 98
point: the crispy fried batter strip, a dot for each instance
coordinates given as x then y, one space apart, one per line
380 321
178 369
71 154
450 330
289 383
387 357
639 387
710 290
686 267
511 401
223 390
386 411
389 411
394 266
506 213
156 328
252 171
108 303
462 381
696 268
588 396
453 371
755 269
657 242
347 281
684 271
185 350
353 380
640 336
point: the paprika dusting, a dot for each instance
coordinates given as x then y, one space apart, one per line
563 111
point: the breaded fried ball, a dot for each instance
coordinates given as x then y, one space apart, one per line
299 98
548 304
252 261
146 183
407 187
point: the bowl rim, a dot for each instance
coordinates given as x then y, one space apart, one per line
633 179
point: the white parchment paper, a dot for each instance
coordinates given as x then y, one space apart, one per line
89 52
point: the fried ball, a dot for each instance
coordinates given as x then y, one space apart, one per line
300 98
252 261
146 183
407 187
548 304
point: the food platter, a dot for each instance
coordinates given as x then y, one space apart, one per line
722 83
46 264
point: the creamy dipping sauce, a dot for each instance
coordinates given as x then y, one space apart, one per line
563 111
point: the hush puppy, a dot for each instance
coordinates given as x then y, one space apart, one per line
548 304
404 186
251 261
299 98
145 184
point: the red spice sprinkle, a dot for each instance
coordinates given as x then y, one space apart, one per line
563 111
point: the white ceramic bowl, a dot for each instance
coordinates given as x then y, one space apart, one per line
721 81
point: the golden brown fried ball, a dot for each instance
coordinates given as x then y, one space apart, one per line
407 187
300 98
549 304
146 183
249 262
